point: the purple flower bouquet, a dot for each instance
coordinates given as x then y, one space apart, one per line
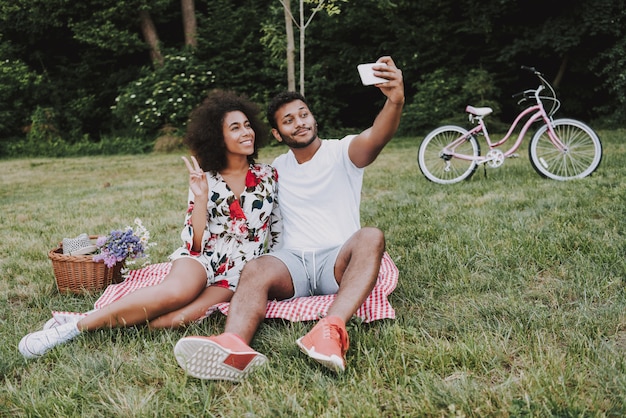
126 245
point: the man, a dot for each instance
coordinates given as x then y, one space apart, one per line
324 248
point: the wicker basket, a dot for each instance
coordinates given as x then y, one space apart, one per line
80 274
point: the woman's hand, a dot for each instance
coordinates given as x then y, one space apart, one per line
197 178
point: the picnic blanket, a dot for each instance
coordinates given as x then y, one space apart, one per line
308 308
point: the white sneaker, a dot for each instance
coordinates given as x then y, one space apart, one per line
51 323
37 343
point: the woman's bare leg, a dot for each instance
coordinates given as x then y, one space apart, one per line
182 285
211 295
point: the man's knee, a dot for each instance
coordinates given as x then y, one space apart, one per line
259 270
371 236
266 274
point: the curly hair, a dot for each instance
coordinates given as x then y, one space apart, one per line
279 100
205 134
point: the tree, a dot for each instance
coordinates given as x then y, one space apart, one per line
330 6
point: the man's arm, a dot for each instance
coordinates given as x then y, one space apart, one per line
368 144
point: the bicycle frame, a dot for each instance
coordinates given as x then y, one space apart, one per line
537 111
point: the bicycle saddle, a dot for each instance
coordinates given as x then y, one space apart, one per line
478 111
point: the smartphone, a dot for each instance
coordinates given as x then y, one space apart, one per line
367 74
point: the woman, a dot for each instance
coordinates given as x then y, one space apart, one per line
232 217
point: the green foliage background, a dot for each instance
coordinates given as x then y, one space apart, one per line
69 62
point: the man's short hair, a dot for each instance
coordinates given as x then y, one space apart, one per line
279 100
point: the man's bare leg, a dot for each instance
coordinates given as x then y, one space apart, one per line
228 356
356 271
262 279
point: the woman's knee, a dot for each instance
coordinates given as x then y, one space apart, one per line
174 292
170 296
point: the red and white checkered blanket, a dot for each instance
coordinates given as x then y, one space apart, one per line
308 308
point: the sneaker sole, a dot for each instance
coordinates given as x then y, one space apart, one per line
205 359
333 362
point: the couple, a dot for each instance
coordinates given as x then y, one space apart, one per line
322 250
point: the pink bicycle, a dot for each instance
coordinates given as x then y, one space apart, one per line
561 149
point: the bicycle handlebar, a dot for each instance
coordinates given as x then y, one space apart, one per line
535 93
526 94
530 69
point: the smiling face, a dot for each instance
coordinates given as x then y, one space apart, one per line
238 134
296 126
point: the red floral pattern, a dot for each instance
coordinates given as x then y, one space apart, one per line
252 180
235 210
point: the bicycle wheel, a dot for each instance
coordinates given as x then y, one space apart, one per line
580 158
443 168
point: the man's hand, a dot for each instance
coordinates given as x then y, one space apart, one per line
394 89
368 144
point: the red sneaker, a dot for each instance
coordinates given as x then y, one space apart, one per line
327 343
220 357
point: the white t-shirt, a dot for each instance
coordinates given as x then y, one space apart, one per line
319 199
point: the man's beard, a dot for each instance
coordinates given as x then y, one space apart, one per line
297 145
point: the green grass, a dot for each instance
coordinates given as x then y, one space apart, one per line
511 299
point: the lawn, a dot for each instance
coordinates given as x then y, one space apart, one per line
511 298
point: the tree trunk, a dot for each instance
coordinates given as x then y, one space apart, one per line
189 22
151 37
302 30
291 47
559 75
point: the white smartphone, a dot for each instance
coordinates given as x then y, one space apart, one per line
367 74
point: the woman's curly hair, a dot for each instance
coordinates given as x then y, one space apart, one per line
205 134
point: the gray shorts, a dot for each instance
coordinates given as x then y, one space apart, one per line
312 271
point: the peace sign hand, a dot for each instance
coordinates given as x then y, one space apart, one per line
197 178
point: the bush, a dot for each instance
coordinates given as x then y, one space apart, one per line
43 127
442 97
165 95
116 145
168 141
17 82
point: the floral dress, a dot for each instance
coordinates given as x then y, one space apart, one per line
237 230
